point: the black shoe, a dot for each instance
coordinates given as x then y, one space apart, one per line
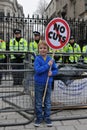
48 122
37 122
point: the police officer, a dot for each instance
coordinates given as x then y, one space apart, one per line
58 57
2 56
72 47
18 44
84 50
33 46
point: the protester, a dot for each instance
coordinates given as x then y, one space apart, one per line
42 65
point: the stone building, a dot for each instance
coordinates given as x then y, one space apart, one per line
67 9
8 9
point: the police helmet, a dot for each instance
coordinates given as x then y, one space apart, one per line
17 31
71 37
36 33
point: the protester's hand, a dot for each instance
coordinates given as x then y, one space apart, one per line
50 62
50 73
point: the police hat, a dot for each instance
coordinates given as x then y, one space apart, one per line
17 31
36 33
71 37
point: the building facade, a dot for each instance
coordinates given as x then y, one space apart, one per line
67 9
8 9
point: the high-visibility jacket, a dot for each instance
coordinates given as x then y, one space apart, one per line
73 49
33 47
14 45
59 55
2 48
84 50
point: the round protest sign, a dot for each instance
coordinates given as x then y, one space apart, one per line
57 33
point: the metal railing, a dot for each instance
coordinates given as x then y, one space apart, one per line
29 24
69 89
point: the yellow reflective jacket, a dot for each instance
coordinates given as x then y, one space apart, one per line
73 49
2 48
14 45
33 47
58 57
84 50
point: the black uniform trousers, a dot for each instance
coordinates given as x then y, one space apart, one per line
17 75
2 66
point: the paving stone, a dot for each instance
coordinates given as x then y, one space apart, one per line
81 127
71 122
46 128
83 121
57 123
65 128
15 128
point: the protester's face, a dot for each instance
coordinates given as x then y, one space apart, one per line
43 50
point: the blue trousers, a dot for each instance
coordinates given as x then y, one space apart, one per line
40 112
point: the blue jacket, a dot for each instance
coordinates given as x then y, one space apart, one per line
41 68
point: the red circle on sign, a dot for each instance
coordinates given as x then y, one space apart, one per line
56 34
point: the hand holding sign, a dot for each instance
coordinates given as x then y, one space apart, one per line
57 33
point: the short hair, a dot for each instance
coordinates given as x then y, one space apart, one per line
44 43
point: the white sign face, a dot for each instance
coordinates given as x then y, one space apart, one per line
57 33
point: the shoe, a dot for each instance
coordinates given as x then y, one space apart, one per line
48 122
37 122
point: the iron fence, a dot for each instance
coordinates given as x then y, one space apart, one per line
27 25
18 100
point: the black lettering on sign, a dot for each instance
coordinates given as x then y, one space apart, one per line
59 28
50 34
56 27
58 34
55 36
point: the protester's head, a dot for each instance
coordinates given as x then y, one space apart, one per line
17 33
36 36
43 48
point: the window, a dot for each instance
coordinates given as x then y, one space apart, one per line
1 35
8 14
1 16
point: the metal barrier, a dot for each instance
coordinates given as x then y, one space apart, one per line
29 24
69 91
14 100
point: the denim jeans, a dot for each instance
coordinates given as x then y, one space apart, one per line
39 91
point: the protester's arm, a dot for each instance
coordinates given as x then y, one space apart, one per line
40 68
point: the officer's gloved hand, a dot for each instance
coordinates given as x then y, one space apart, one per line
34 55
56 57
18 56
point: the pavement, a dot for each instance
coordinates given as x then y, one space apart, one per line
62 120
73 119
